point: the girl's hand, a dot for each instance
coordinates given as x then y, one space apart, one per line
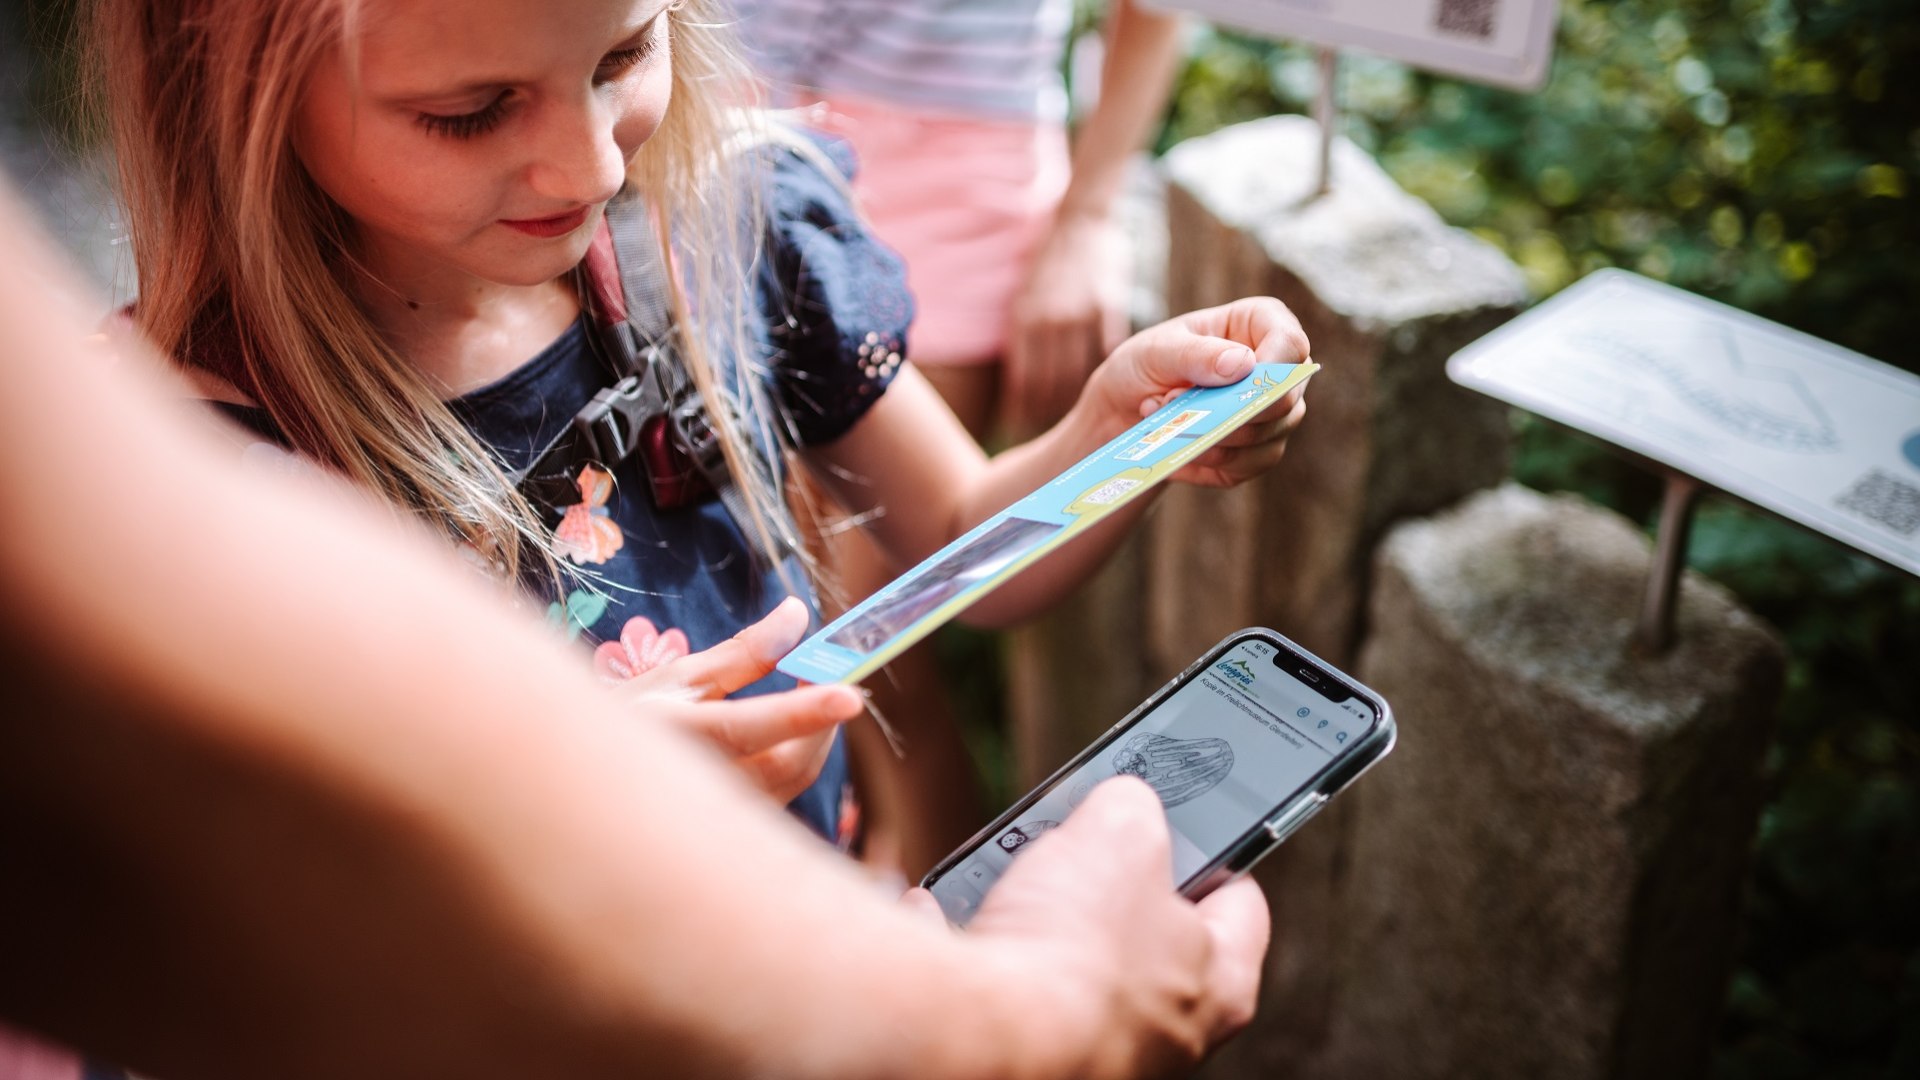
1070 315
779 740
1211 347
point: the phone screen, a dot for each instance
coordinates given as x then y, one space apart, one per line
1238 740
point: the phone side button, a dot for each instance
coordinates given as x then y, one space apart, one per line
1296 815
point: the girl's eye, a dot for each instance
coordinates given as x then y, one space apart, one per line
620 60
466 125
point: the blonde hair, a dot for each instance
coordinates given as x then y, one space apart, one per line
243 260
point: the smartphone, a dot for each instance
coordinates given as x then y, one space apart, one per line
1242 747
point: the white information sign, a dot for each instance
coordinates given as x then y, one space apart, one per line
1813 432
1504 42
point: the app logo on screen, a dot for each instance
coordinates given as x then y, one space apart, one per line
1021 835
1237 670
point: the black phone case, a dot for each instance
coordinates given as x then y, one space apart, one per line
1265 833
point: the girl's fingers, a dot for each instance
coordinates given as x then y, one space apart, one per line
1254 449
746 657
1287 414
1259 321
1225 466
748 726
1217 346
1184 360
790 768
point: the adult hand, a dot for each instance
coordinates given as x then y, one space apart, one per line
1151 981
779 740
1211 347
1071 313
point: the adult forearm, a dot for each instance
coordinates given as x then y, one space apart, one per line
283 792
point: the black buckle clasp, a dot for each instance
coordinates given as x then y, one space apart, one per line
699 439
609 425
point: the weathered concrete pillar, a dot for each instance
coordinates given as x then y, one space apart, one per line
1544 878
1387 292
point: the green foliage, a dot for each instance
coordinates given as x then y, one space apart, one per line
1765 153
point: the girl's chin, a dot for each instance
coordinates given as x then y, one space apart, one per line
528 261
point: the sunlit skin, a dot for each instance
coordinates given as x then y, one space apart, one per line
475 144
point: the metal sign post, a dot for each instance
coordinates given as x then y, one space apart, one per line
1653 633
1326 110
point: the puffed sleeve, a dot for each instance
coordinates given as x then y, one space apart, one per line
837 296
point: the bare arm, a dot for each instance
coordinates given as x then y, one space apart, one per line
1143 55
911 459
282 792
1073 310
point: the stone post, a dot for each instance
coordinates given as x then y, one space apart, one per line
1544 878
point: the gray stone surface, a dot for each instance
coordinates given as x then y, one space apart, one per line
1544 878
1367 250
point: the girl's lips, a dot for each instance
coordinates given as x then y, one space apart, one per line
559 225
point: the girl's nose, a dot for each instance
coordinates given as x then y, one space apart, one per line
578 159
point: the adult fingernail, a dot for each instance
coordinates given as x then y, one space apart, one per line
1234 362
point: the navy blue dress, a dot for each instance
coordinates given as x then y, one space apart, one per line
833 315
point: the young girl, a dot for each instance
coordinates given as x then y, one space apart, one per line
374 230
1013 250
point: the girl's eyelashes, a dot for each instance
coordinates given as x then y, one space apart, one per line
485 119
467 125
620 60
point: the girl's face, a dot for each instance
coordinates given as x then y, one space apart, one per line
483 137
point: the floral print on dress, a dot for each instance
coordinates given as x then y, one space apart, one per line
587 533
578 613
640 649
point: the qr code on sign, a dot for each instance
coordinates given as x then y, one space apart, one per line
1885 499
1473 18
1111 490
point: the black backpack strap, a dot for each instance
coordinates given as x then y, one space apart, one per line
653 409
606 430
615 424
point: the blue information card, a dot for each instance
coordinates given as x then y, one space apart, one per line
885 624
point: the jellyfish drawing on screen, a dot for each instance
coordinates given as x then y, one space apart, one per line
1179 770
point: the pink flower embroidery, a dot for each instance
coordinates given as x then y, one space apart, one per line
641 648
586 533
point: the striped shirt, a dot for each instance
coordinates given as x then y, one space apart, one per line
996 59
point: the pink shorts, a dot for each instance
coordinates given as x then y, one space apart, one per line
23 1057
964 201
